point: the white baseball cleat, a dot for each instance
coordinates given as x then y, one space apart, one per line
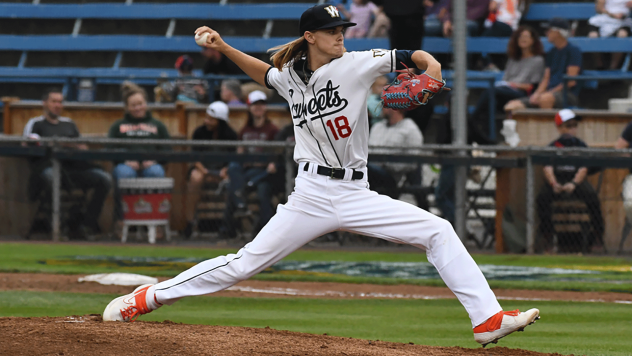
504 323
129 307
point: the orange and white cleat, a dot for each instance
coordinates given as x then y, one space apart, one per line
129 307
504 323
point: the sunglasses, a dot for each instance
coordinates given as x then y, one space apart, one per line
570 125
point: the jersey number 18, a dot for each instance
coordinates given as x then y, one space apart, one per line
342 129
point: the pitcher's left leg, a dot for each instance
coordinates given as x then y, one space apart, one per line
371 214
368 213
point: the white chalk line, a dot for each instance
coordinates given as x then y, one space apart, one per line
340 294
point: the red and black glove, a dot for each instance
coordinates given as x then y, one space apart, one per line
409 90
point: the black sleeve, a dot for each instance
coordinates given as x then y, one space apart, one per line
627 133
404 56
265 79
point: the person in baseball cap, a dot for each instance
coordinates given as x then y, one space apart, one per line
215 127
569 180
566 117
559 24
257 96
217 110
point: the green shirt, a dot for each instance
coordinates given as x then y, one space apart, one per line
145 128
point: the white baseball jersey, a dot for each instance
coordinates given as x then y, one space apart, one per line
329 129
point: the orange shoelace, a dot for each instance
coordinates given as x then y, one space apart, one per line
495 321
134 311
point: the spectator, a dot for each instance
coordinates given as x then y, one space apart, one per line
504 17
186 88
395 131
612 19
136 124
75 174
256 175
407 22
231 92
215 128
562 59
569 180
524 69
373 101
217 63
477 11
360 12
435 10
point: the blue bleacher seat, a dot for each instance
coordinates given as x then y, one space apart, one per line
76 42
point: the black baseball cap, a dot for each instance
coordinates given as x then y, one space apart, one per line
320 17
558 22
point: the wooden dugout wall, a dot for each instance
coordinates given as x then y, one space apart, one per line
95 119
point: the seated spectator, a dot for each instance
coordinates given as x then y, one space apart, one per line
215 128
360 12
503 18
373 101
568 180
252 174
524 69
612 19
136 124
75 174
477 11
186 88
562 59
231 92
395 131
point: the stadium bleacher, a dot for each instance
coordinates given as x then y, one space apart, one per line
109 42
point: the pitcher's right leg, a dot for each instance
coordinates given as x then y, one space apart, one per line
307 215
287 231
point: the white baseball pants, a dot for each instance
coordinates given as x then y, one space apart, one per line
319 205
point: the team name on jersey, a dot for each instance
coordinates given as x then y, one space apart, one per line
326 99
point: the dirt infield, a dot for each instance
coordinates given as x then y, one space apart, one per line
89 335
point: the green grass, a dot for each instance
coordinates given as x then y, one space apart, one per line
59 258
578 328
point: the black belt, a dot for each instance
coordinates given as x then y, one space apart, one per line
338 173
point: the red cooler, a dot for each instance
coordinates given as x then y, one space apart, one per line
146 201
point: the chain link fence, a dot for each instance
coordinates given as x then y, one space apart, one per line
85 189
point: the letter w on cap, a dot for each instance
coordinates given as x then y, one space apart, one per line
332 11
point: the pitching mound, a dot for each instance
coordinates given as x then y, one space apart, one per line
89 335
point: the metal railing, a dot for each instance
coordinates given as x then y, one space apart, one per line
496 157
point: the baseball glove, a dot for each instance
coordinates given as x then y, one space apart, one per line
409 90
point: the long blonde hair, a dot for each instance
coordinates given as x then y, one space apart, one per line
283 54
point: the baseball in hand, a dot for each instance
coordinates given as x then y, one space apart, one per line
201 39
